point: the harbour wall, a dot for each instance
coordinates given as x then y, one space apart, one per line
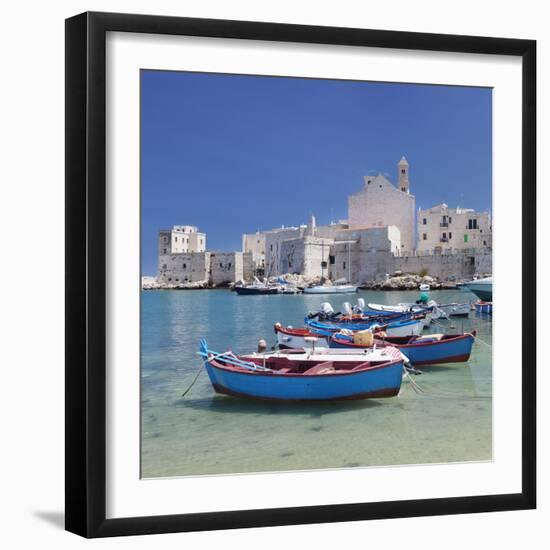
446 267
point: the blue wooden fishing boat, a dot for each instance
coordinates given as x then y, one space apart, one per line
300 376
431 349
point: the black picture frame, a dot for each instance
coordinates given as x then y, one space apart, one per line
86 279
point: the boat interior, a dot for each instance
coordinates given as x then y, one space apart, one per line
285 365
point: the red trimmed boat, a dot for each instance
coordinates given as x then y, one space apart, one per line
300 376
431 349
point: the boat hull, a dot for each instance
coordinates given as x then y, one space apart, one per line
452 350
482 288
398 328
382 381
250 291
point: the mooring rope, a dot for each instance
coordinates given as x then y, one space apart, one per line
216 356
473 335
420 390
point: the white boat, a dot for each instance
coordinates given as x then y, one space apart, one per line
334 354
482 288
444 311
330 289
406 328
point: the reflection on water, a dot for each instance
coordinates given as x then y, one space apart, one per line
448 420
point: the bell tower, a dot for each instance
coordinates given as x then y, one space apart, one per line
403 175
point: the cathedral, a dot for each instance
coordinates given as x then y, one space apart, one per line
381 204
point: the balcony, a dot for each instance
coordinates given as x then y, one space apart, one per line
444 224
444 240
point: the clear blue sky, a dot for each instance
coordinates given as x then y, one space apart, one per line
233 154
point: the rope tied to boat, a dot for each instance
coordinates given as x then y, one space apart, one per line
420 390
228 358
475 337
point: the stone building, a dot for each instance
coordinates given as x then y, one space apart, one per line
381 204
183 259
180 239
441 228
184 267
254 244
307 255
276 252
360 255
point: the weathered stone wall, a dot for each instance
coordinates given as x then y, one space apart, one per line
226 267
254 243
305 256
189 267
446 267
484 263
249 267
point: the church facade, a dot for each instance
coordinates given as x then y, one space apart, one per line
381 204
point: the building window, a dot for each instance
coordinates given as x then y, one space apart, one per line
184 266
270 247
164 250
289 264
402 170
229 265
472 224
323 264
169 278
424 236
163 266
450 219
331 260
450 235
165 239
465 238
176 238
484 243
424 221
344 265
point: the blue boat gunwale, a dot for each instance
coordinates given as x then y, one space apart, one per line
377 366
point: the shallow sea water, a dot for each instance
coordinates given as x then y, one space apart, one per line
206 433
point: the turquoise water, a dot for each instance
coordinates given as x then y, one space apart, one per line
205 433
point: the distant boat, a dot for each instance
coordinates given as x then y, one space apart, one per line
331 289
301 376
482 288
256 289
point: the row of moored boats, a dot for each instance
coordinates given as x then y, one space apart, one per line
362 352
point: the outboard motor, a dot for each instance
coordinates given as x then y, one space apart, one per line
360 307
326 312
346 308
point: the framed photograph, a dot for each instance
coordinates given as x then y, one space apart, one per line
284 248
